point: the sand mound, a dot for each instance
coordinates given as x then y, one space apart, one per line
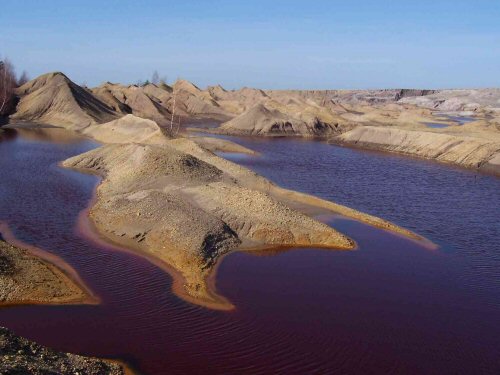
150 101
127 129
156 102
183 85
274 119
107 96
191 101
458 149
54 99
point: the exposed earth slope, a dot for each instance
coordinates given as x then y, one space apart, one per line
460 149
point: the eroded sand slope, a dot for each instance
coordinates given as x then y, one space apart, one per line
460 149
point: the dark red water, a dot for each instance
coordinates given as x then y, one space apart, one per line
389 307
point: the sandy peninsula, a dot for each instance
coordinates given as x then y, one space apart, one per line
32 276
173 199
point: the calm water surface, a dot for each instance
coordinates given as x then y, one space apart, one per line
459 120
389 307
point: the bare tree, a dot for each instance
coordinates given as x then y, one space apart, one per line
173 114
23 78
7 86
178 125
155 79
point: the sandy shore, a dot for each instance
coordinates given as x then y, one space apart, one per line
29 275
87 229
455 146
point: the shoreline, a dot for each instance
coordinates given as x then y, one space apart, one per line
351 214
334 141
86 228
372 147
56 265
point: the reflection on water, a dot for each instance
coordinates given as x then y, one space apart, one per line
435 125
389 307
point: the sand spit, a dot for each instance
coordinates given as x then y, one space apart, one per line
54 99
188 212
221 145
184 205
463 150
21 356
31 276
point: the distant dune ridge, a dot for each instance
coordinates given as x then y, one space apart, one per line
329 114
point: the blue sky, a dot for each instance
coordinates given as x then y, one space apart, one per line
267 44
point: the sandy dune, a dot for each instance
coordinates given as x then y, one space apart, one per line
54 99
278 120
